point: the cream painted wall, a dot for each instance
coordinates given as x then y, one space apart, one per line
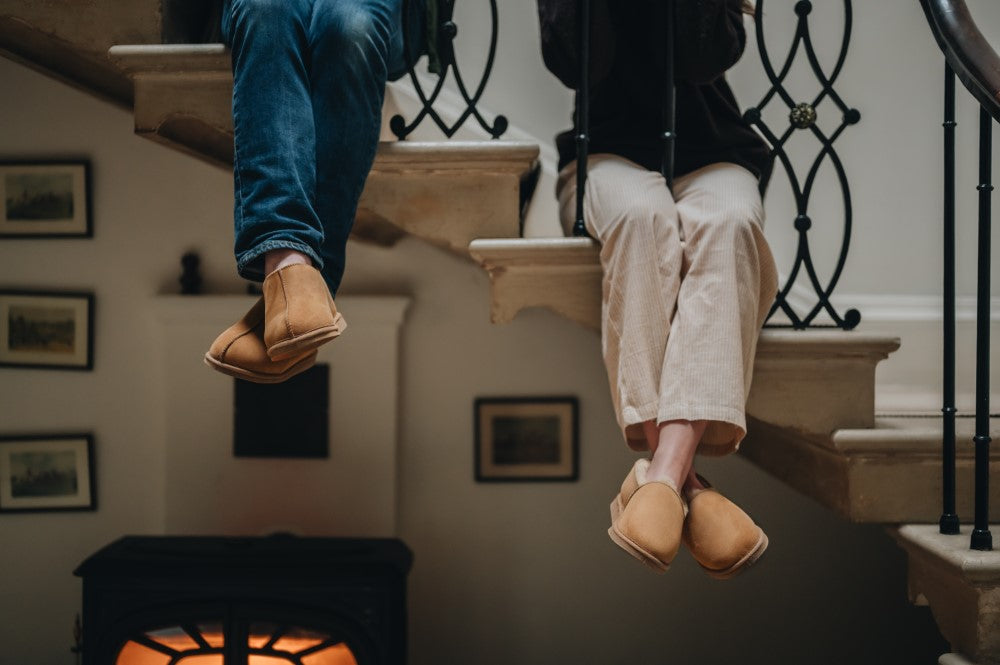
518 573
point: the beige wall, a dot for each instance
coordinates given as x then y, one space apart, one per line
503 573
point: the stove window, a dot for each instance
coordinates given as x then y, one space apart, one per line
205 644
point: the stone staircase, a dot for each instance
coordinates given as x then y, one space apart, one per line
812 407
812 424
433 190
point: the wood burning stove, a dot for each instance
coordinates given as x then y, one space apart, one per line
245 601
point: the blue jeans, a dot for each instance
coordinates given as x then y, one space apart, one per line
309 80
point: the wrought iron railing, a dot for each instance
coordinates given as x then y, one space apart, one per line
969 56
801 117
582 122
443 60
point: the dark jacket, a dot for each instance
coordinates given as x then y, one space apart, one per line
628 81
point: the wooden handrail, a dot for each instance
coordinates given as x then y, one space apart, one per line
972 57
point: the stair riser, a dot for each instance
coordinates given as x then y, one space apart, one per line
814 395
449 208
571 293
192 114
868 488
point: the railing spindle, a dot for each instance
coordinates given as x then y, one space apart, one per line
982 539
949 523
582 116
669 111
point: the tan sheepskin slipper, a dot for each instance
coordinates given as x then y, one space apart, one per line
647 518
239 351
299 312
723 539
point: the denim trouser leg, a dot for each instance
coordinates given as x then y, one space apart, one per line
309 78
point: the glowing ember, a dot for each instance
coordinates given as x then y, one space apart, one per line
161 647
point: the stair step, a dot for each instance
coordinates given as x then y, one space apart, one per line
144 59
961 586
561 274
447 193
888 474
69 41
564 275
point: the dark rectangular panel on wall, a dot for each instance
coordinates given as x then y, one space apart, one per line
289 419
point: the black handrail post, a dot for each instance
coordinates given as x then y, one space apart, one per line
949 523
669 98
982 539
582 116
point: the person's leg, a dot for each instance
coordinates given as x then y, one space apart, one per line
279 235
728 287
629 210
354 46
274 133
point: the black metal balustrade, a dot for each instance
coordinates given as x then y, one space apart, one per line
801 116
442 53
969 56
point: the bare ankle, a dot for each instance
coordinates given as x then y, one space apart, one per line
693 482
672 460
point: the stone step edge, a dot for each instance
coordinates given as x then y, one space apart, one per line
133 59
891 437
543 254
951 551
540 252
585 253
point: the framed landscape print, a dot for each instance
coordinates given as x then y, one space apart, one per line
47 473
526 438
46 330
45 200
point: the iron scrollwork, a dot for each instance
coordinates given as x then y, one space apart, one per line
445 32
802 117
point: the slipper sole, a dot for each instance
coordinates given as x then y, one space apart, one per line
260 377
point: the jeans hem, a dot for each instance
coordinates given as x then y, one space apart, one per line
250 264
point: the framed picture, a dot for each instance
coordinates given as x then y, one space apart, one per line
47 473
530 438
45 200
47 330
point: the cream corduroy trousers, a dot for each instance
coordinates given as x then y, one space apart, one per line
688 281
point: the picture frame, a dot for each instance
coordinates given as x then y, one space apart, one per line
45 473
45 199
520 439
47 329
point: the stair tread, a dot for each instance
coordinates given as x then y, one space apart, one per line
498 252
953 551
174 58
918 435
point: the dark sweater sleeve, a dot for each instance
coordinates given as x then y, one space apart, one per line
710 38
559 21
